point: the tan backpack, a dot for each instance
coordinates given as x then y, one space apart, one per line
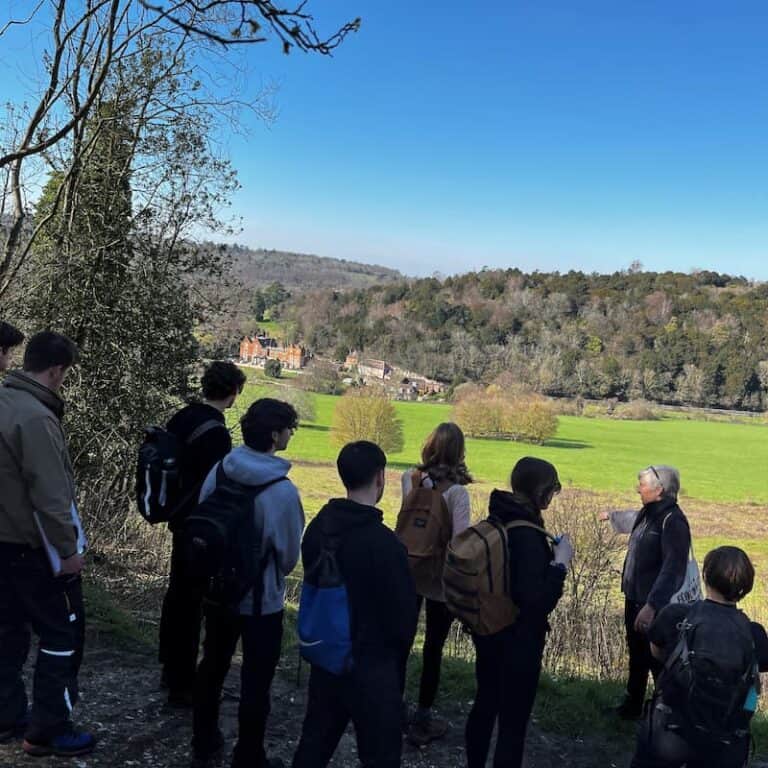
476 576
425 527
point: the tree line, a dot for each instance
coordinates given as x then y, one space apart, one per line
698 339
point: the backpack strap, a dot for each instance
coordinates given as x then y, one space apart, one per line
526 524
201 429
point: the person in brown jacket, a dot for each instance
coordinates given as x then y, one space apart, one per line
41 546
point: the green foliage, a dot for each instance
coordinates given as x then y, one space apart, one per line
322 377
302 401
273 369
695 339
363 415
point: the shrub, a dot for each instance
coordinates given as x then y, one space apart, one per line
322 377
303 402
365 415
527 418
273 369
636 410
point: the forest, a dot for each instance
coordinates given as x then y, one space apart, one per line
698 339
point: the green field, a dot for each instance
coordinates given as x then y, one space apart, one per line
718 462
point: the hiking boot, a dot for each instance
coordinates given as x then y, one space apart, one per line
69 744
427 729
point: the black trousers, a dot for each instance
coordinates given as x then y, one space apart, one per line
370 697
507 669
32 598
261 637
180 623
438 625
641 661
660 745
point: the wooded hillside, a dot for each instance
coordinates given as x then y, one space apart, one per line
697 339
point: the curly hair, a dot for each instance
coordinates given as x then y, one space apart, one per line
222 379
442 456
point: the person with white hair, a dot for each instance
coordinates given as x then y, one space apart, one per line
654 569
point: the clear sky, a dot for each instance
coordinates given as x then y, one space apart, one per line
544 134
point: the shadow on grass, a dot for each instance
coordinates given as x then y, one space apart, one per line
314 427
561 442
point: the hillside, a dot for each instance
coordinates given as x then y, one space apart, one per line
698 339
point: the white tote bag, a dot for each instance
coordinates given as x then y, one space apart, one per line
690 590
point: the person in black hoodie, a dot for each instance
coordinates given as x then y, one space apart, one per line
508 663
202 432
654 568
382 604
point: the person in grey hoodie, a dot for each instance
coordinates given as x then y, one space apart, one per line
267 428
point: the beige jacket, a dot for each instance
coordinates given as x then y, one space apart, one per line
35 469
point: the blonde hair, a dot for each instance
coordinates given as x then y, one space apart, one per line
442 456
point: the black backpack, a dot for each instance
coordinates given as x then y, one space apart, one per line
222 541
160 486
710 679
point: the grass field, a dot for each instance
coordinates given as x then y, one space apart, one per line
718 462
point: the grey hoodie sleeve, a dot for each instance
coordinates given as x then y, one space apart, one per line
287 533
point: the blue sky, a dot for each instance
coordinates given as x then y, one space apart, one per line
548 134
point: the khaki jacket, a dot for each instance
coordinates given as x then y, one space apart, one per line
35 468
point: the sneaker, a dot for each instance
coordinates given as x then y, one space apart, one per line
69 744
429 729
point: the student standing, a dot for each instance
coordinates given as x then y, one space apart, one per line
508 663
701 711
382 603
258 620
205 440
443 469
40 558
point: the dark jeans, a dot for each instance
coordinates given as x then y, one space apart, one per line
261 637
370 697
640 659
180 623
660 746
438 624
30 596
507 668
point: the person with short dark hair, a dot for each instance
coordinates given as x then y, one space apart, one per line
667 737
508 663
10 337
654 568
202 433
382 606
267 428
41 554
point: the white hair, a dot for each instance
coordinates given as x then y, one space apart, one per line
662 476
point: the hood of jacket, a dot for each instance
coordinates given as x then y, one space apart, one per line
506 507
249 467
343 515
20 381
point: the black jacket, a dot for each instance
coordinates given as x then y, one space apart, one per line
199 456
374 564
657 554
535 584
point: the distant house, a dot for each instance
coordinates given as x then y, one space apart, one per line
258 349
374 369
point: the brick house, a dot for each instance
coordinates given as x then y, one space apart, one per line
258 349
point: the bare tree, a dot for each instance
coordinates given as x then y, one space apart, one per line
90 41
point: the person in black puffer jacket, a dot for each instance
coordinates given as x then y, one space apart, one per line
509 662
654 569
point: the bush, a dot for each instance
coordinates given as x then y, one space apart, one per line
323 378
636 410
273 369
527 418
365 415
303 402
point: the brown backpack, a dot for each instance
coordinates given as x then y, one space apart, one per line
425 526
476 576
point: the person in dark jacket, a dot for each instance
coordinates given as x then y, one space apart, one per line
654 569
508 663
10 337
667 738
382 602
202 432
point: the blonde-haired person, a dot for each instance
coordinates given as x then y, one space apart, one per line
654 569
442 467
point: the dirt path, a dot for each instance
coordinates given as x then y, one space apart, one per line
125 709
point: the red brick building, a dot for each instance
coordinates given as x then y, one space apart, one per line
259 349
